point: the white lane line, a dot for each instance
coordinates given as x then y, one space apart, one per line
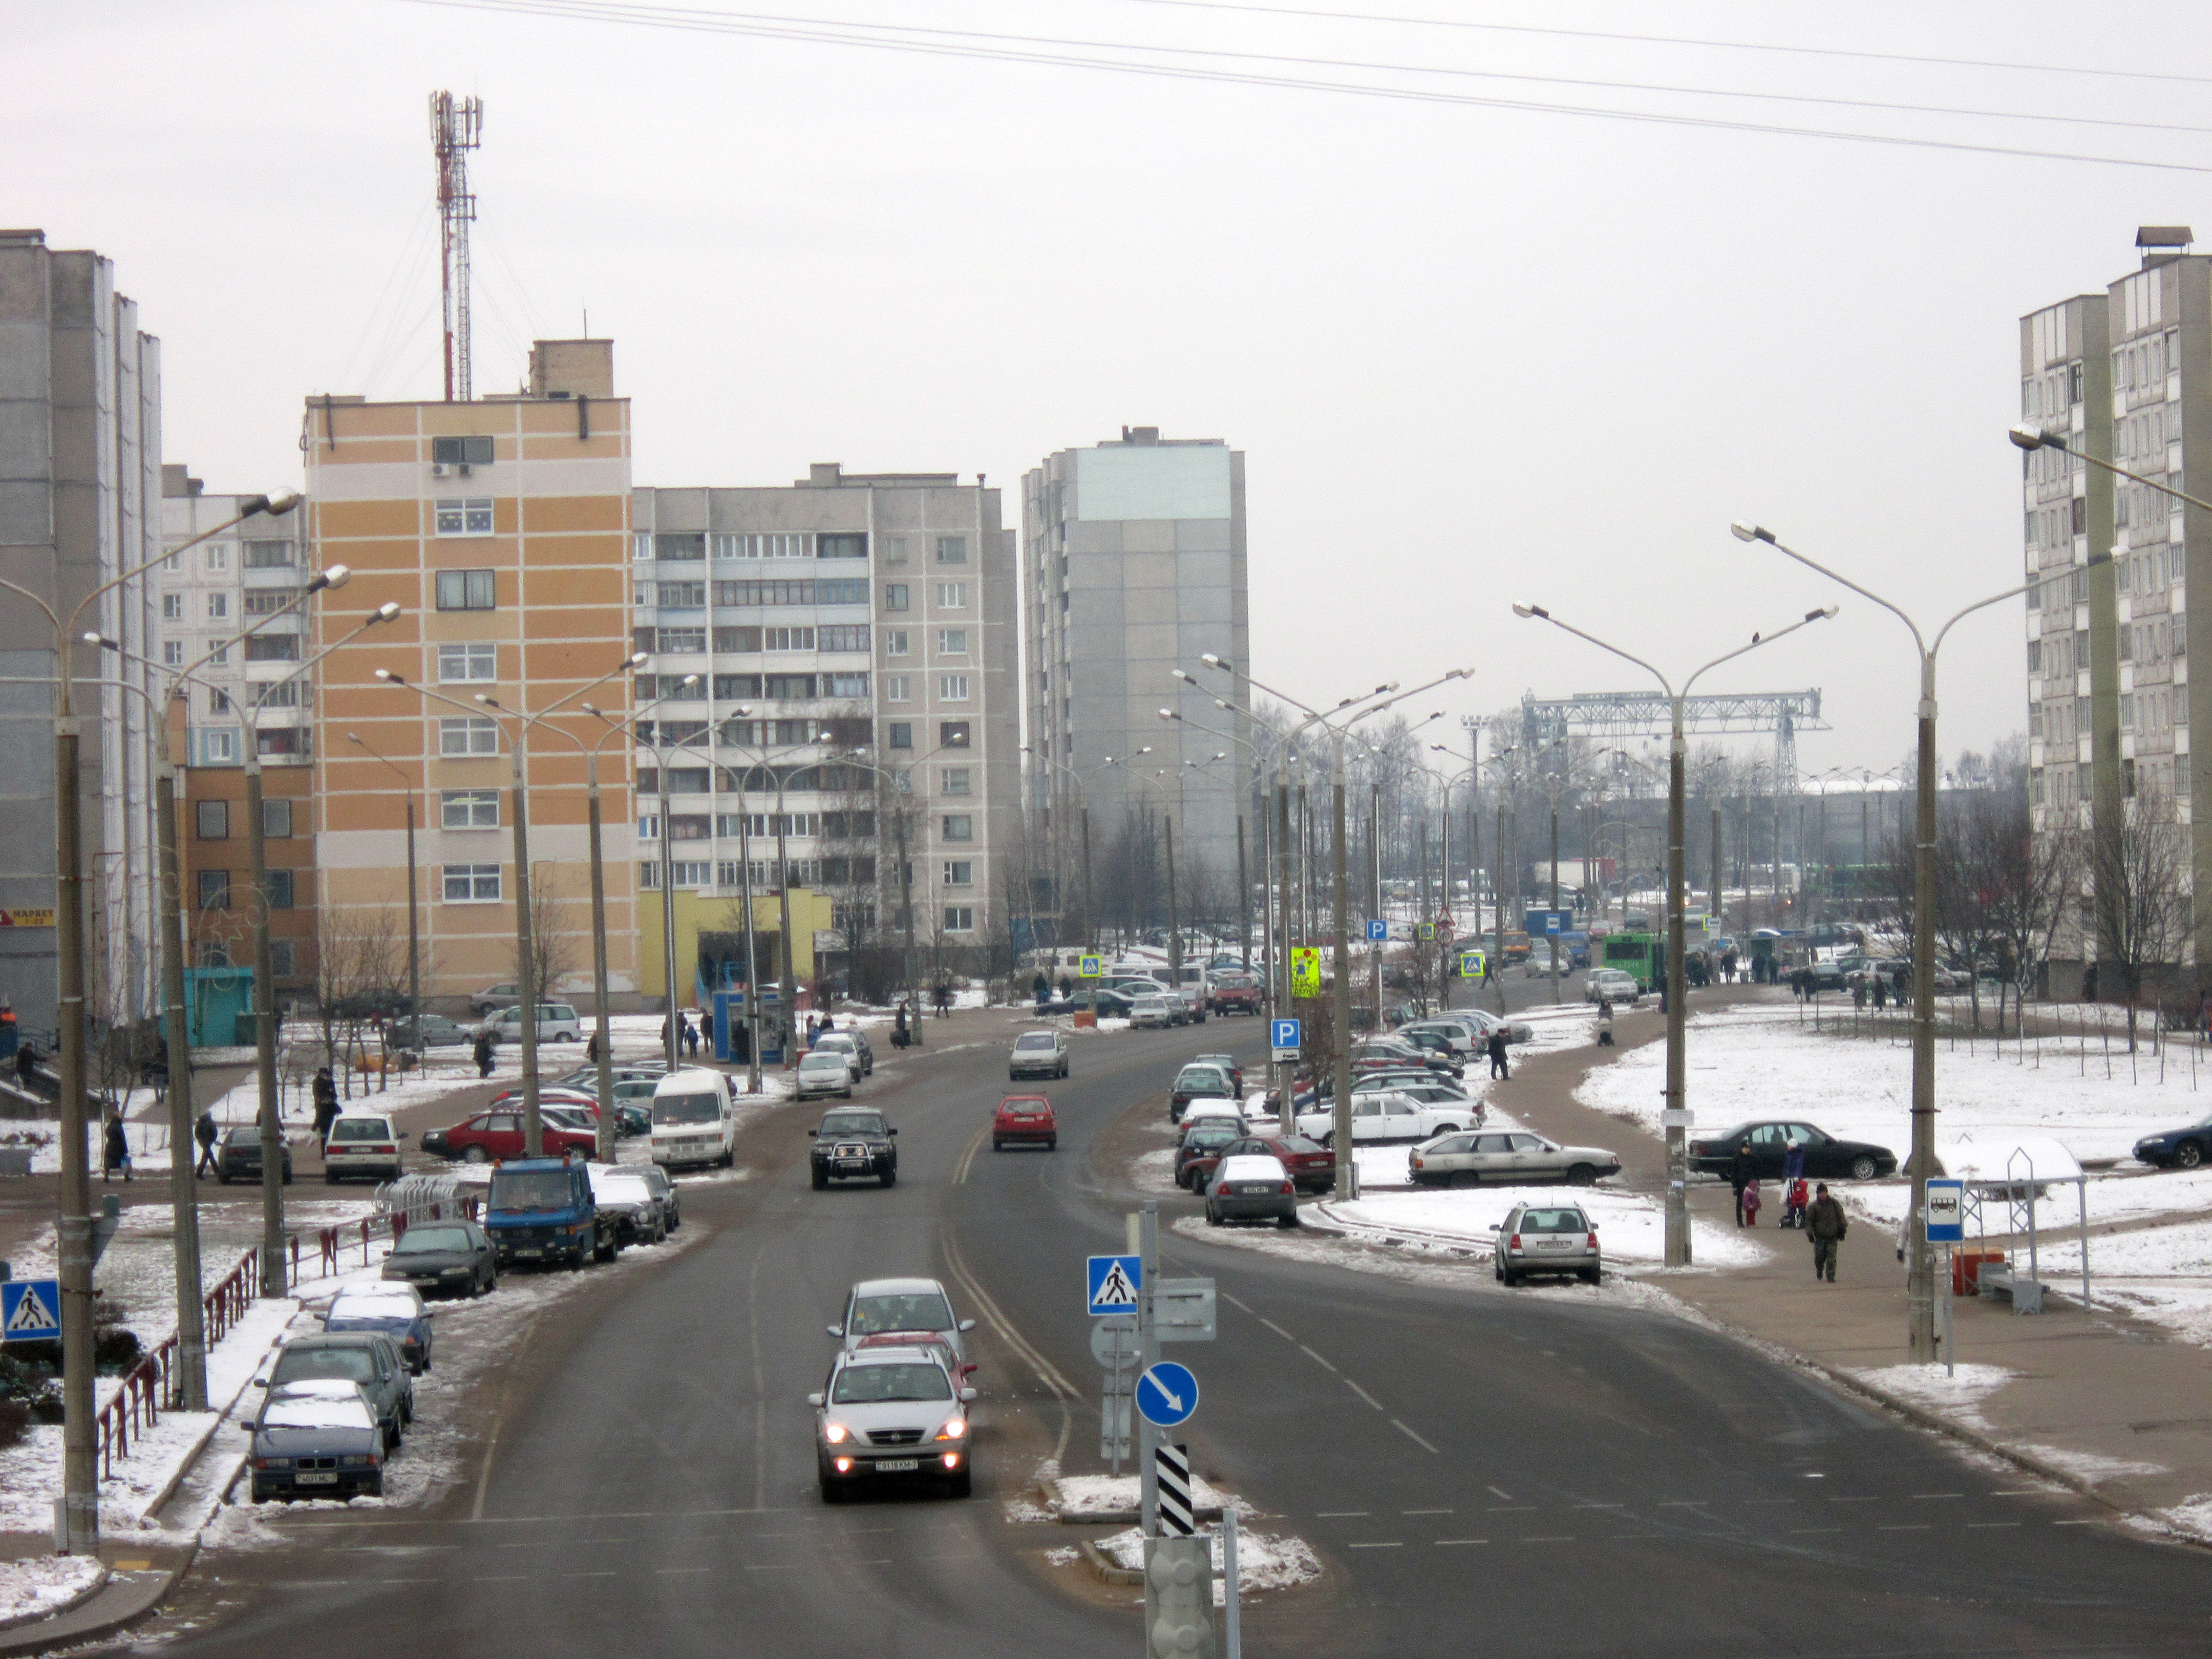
2024 1492
1339 1514
968 1157
1047 1372
1920 1496
1445 1543
1316 1357
1499 1492
498 1578
1424 1511
1361 1392
1800 1532
1552 1538
1277 1329
2098 1521
1393 1544
1423 1444
1232 1301
1597 1506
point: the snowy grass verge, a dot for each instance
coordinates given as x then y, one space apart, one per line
39 1587
1265 1561
1631 1226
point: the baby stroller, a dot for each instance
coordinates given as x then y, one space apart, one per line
1794 1200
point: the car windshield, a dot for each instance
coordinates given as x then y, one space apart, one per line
702 1108
853 1123
1036 1040
532 1189
867 1385
1553 1221
1021 1108
361 1129
1300 1145
313 1364
621 1190
1213 1134
243 1135
834 1040
420 1241
913 1310
1202 1076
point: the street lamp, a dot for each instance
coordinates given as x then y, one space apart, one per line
1676 1116
1920 1260
414 926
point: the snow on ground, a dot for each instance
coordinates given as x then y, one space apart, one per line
1930 1387
2159 1274
1630 1226
1265 1561
1114 1494
44 1584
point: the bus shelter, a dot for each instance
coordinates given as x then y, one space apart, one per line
2004 1178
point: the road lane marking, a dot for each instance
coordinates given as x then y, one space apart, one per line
1918 1496
1047 1372
1445 1543
1597 1506
1871 1499
1424 1511
1548 1538
968 1157
1232 1301
1339 1514
1277 1329
2024 1492
1361 1392
1921 1526
1391 1544
1424 1446
2094 1522
1497 1491
1316 1357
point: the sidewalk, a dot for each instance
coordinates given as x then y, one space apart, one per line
2096 1399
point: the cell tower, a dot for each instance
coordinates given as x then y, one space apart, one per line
456 128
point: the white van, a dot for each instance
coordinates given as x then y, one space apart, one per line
695 1119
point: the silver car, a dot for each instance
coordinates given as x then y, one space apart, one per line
1506 1158
1547 1238
852 1045
1151 1012
825 1072
916 1307
891 1411
1037 1053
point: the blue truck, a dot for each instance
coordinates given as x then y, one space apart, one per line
541 1211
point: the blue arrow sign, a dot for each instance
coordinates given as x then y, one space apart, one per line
31 1310
1112 1283
1377 929
1284 1034
1167 1394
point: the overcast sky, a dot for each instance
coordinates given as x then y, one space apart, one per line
1472 354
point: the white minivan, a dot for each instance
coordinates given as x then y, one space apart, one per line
695 1119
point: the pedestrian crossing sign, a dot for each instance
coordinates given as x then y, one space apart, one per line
31 1309
1090 968
1470 964
1112 1282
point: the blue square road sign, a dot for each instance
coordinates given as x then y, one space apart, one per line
1112 1283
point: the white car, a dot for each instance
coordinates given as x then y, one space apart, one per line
839 1042
1210 1106
361 1145
695 1119
1150 1014
1609 982
1388 1115
825 1072
556 1023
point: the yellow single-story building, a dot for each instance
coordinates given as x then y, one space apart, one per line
710 941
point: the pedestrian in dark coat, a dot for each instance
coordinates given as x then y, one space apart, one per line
115 1149
1499 1065
483 1054
205 1132
326 1103
898 1027
1743 1169
1825 1224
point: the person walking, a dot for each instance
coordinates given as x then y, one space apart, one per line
326 1103
115 1148
1793 1184
205 1132
26 1064
592 1049
689 1030
1041 988
484 1053
1825 1224
1499 1066
1743 1169
898 1027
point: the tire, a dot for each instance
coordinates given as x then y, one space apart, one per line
1508 1277
1589 1275
376 1486
288 1176
1063 1068
2189 1154
1212 1217
1289 1220
963 1483
1465 1178
1582 1175
997 1145
820 1181
833 1491
222 1176
1863 1168
891 1176
1052 1144
329 1177
475 1155
606 1252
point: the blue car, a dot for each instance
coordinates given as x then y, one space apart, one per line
2185 1147
394 1309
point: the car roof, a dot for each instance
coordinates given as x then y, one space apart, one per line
1251 1166
1005 1100
819 1054
897 1287
332 1339
914 1353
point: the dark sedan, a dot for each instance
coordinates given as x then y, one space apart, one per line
1311 1166
1827 1158
394 1309
317 1440
240 1157
1201 1149
2185 1147
444 1258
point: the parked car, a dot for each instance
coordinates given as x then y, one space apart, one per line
858 1061
493 997
1610 985
586 1078
695 1119
541 1210
240 1159
1312 1166
2184 1147
853 1143
1827 1158
876 1307
1197 1082
370 1360
1423 1090
664 1187
444 1258
362 1145
394 1310
1203 1142
1547 1238
1251 1186
493 1136
558 1022
1151 1011
1516 1030
1227 1064
621 1193
1458 1036
1037 1053
827 1071
1024 1120
1388 1115
317 1440
1235 992
1438 1045
430 1031
1506 1158
891 1411
551 1094
1377 1054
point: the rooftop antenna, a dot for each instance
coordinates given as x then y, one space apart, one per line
456 128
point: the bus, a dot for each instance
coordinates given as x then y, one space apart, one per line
1642 957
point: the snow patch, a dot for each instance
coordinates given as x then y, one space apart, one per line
1930 1387
1265 1561
42 1584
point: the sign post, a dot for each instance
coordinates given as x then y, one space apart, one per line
1285 1038
1378 931
1945 1217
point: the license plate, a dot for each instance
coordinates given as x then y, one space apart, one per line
318 1478
852 1163
529 1249
897 1465
1551 1243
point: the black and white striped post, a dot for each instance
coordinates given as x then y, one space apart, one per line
1171 1467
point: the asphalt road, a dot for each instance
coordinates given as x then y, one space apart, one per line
1481 1471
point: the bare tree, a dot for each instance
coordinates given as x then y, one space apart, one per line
555 950
2140 878
361 956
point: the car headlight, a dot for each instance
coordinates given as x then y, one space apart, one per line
954 1429
835 1433
357 1460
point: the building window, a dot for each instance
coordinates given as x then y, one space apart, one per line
215 557
467 590
959 872
218 607
475 735
959 826
648 875
172 652
951 642
952 550
648 827
952 688
219 748
898 688
844 546
845 636
775 546
472 450
471 884
641 544
895 596
268 601
902 734
215 889
952 734
787 688
277 819
269 555
215 820
786 639
682 596
173 607
680 544
959 918
469 809
691 872
218 701
280 958
272 647
219 655
284 740
894 643
953 596
468 515
467 662
279 889
844 685
956 780
682 640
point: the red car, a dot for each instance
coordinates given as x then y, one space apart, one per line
1311 1166
1024 1120
511 1099
1235 992
492 1135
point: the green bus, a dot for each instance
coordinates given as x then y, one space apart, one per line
1642 957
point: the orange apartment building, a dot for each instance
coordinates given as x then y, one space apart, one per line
502 526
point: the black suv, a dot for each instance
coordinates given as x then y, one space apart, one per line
851 1143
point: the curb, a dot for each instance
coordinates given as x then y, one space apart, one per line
86 1620
1106 1572
18 1620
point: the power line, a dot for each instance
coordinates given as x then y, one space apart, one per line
826 35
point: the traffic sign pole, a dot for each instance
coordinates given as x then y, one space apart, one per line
1146 1225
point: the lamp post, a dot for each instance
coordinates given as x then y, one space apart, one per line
1676 1116
414 926
662 751
1920 1260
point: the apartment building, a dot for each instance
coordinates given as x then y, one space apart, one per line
80 493
2126 375
1134 566
790 627
502 526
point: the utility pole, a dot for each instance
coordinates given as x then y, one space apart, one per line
1720 910
1090 916
1498 910
79 1522
1348 1163
1174 928
184 1181
1375 890
274 1278
1555 894
906 897
1243 894
1278 971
